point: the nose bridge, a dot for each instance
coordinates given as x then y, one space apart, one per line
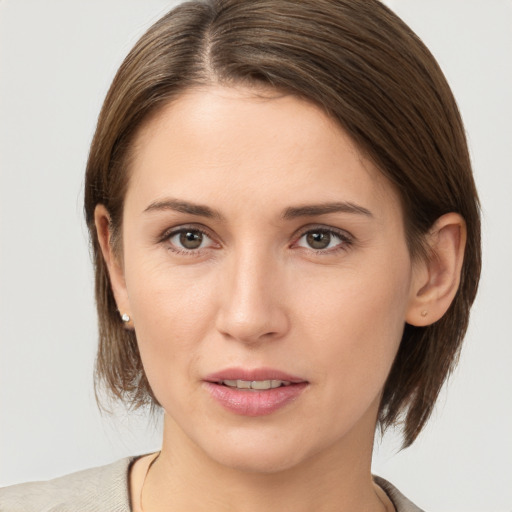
251 309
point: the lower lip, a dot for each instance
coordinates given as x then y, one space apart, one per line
254 402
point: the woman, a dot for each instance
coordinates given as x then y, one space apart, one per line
286 240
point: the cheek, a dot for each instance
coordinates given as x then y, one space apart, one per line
171 314
357 327
165 295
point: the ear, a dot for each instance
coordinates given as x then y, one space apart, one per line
113 261
436 279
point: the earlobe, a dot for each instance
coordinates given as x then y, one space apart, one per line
112 261
436 280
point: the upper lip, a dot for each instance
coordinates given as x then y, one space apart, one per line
252 374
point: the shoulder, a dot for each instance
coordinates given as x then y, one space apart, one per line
96 489
401 503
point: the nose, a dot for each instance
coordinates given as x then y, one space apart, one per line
252 292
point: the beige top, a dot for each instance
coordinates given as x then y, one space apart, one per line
105 489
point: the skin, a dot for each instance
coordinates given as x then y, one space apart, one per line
256 293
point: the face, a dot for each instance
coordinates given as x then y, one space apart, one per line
262 251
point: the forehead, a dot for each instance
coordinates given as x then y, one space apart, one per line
216 142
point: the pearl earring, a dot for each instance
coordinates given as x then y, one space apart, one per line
125 318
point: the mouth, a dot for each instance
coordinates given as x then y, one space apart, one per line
244 378
254 385
256 392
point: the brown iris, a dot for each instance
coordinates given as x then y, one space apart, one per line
318 240
191 239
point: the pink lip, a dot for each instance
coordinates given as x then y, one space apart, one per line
253 402
252 374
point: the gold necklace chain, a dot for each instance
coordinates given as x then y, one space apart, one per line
144 481
389 508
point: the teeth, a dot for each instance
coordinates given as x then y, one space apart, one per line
255 384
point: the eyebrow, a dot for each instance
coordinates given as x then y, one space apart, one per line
323 209
292 212
184 207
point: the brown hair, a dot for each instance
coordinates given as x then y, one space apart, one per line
366 69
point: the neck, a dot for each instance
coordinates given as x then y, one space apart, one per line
337 479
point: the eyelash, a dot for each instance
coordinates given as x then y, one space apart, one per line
346 240
169 234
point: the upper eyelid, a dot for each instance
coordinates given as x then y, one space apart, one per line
167 233
342 233
346 239
328 229
172 232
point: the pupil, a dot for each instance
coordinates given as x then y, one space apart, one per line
318 240
191 239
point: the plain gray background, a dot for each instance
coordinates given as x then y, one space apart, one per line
57 59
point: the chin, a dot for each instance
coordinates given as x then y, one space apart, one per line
256 460
259 450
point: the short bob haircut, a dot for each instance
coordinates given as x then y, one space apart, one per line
369 72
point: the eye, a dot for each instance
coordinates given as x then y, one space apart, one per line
189 239
323 240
